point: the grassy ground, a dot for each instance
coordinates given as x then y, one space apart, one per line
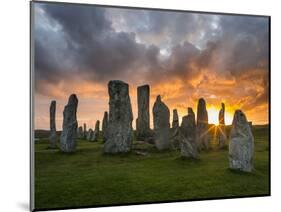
88 177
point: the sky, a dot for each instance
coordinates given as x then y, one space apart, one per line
183 56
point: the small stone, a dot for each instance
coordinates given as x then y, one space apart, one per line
241 144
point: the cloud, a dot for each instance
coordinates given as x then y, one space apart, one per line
183 56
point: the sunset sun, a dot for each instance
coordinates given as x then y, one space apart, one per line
213 116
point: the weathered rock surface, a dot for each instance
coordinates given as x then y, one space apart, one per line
85 130
96 132
104 126
89 135
161 122
80 133
241 144
188 136
68 137
175 139
175 122
187 148
221 131
53 133
143 120
203 137
189 126
120 131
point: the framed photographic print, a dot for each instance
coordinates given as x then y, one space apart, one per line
138 105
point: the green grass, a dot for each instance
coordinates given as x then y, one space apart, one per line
88 177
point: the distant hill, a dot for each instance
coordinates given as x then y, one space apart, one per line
39 133
44 133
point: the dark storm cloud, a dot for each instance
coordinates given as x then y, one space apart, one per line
180 63
165 28
96 50
241 46
97 44
81 23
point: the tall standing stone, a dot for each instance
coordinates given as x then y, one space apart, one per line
241 144
96 132
120 131
143 120
104 126
175 122
85 130
69 127
203 137
161 122
221 131
53 134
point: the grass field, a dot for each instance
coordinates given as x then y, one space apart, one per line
88 177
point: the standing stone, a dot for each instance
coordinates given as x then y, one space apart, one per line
96 132
188 142
120 131
89 135
80 133
175 123
104 126
142 122
221 131
189 126
175 140
203 137
161 122
85 130
241 144
53 134
69 127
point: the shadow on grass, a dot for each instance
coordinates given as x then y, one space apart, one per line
119 154
184 160
239 172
